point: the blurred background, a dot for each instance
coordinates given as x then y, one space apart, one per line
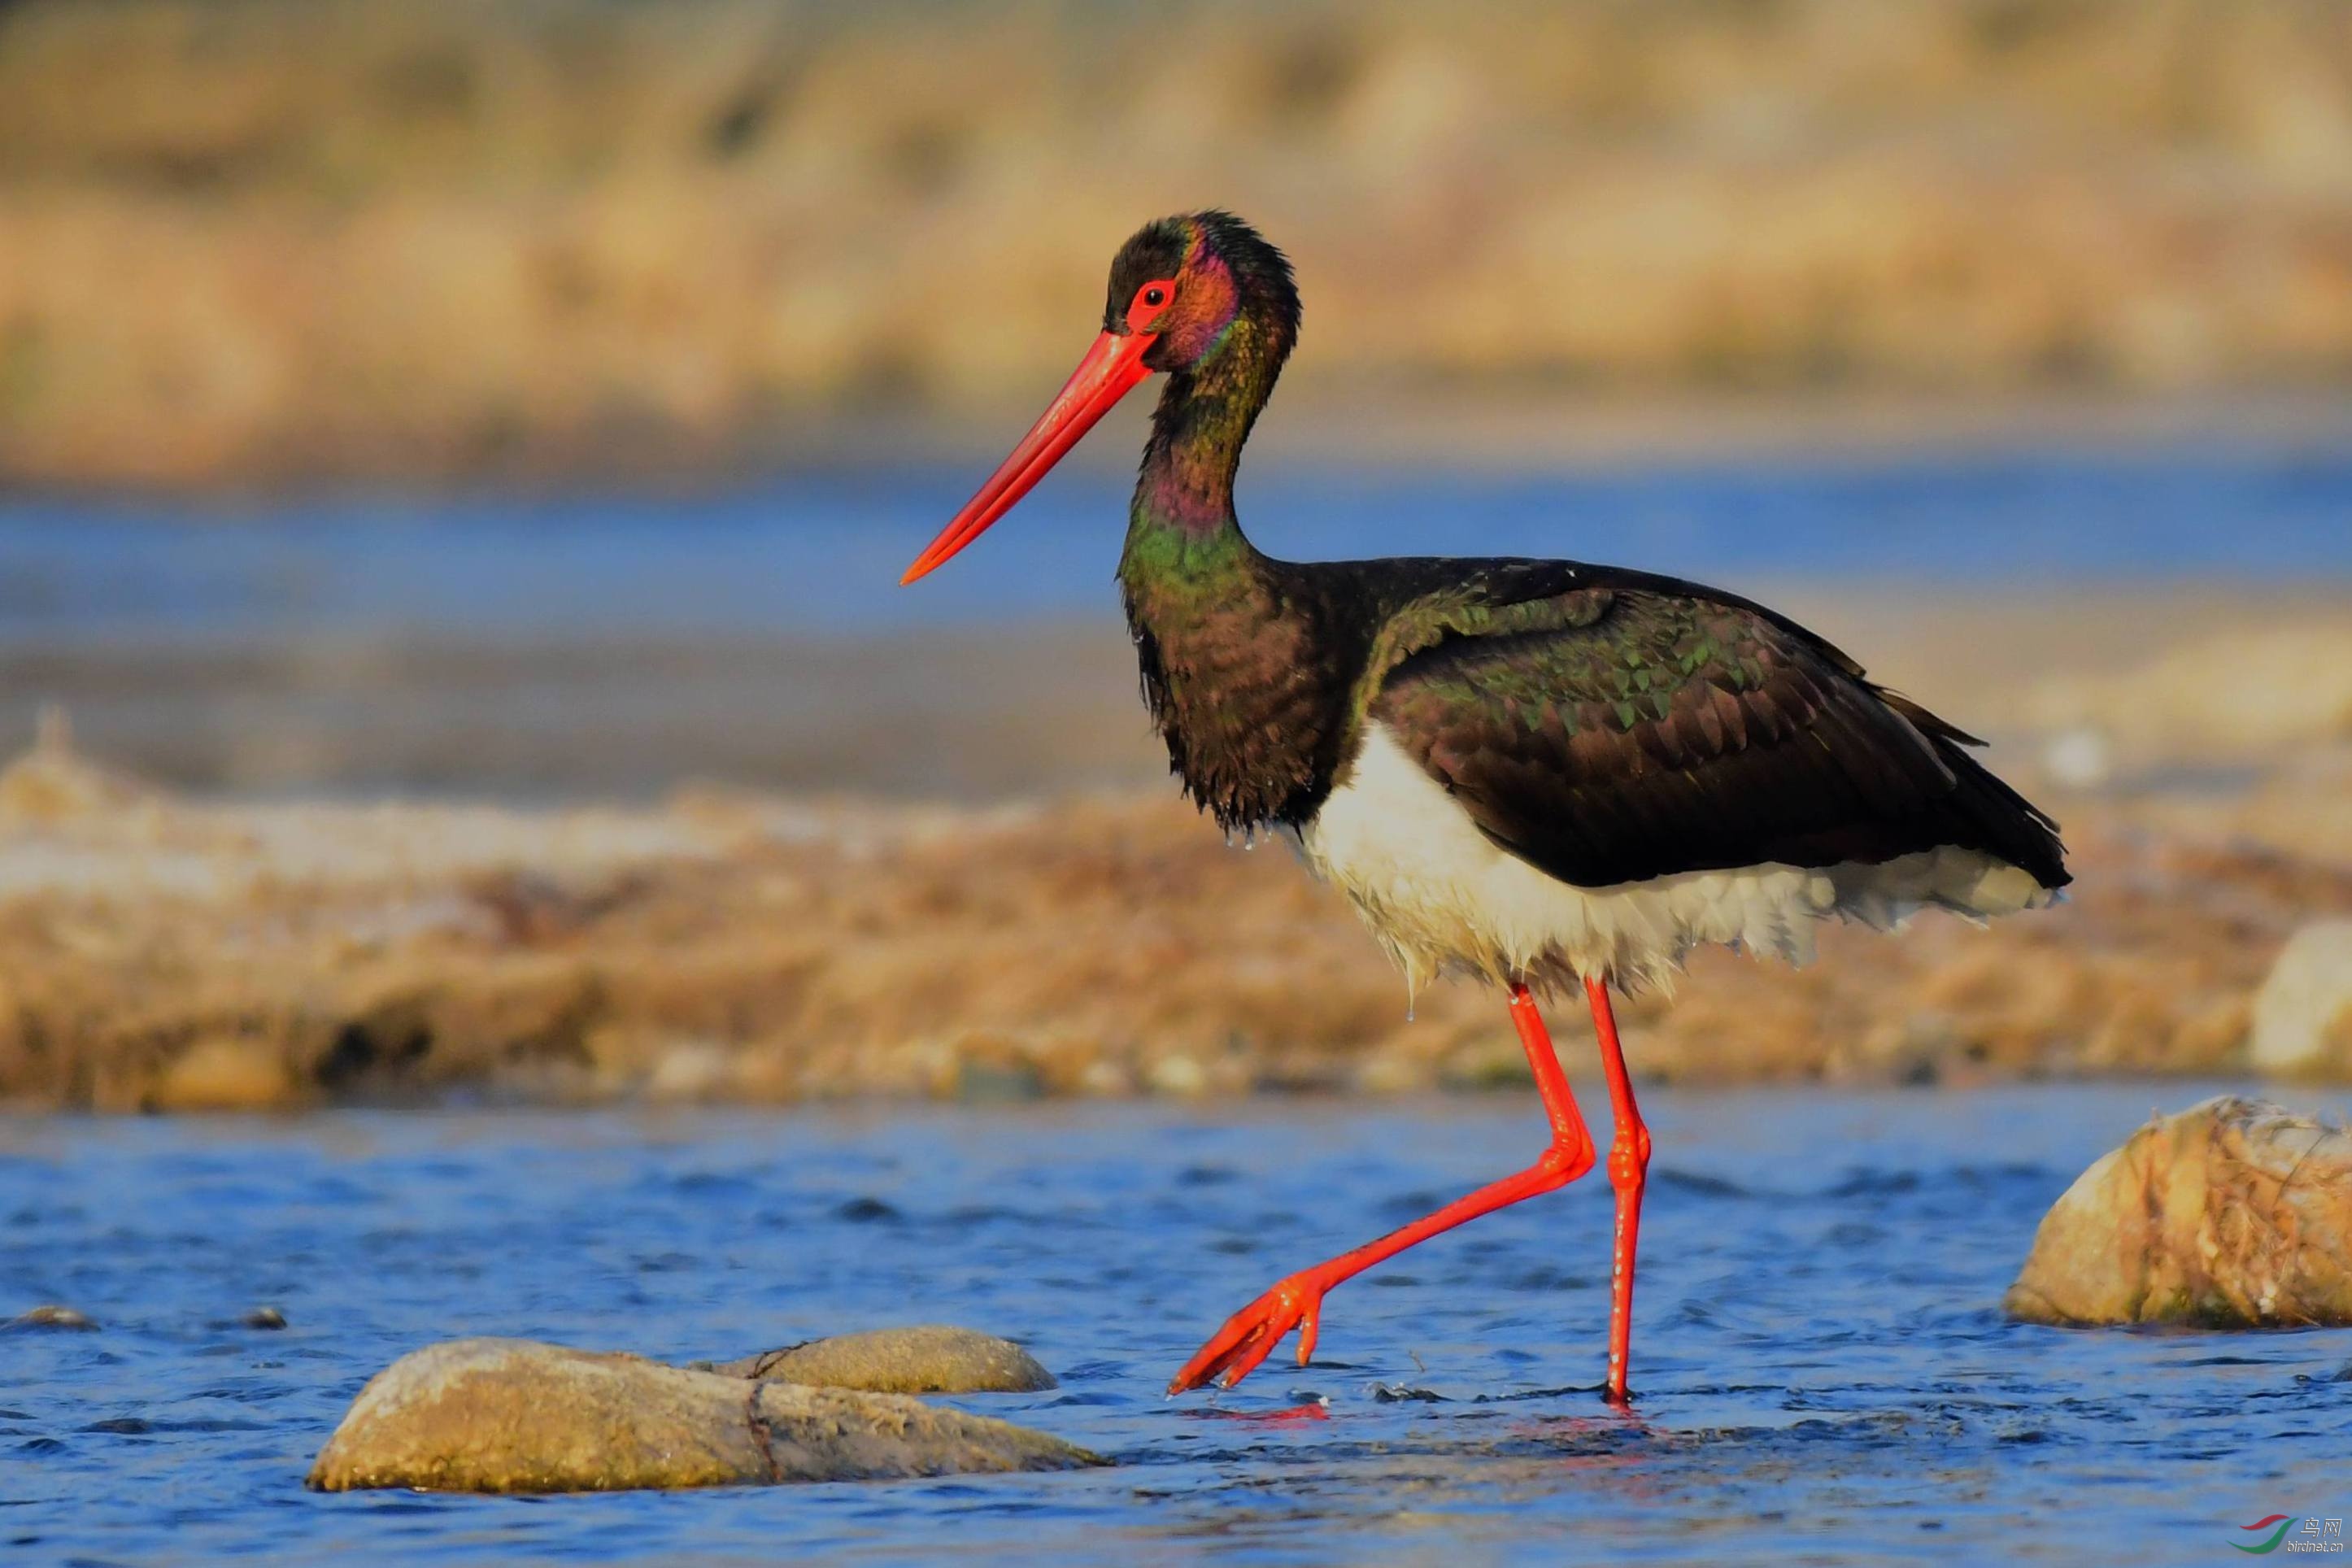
252 242
456 459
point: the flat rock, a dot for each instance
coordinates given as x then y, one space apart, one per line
514 1415
929 1358
2233 1214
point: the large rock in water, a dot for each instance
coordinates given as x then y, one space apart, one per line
2233 1213
513 1416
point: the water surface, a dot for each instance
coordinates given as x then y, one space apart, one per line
821 553
600 643
1822 1371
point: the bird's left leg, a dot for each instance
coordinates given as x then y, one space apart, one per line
1629 1164
1250 1335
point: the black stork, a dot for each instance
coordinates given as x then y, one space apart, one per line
1545 774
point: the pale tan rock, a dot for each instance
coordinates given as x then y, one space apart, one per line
52 1315
2233 1214
2302 1013
513 1416
929 1358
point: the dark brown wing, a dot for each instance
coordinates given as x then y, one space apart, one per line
1628 727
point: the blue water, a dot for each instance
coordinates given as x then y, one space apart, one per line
1822 1372
822 553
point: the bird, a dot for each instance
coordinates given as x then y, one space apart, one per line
1553 777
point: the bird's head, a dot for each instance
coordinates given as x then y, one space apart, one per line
1189 296
1192 285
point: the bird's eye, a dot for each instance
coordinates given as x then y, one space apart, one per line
1148 299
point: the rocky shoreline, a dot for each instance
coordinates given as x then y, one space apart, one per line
160 954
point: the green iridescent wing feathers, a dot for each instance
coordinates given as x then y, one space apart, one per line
1620 727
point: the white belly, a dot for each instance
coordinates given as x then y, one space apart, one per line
1442 898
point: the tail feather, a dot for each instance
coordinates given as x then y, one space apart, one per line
2006 822
2011 825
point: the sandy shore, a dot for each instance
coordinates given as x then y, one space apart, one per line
163 953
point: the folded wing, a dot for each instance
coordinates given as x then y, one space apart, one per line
1609 726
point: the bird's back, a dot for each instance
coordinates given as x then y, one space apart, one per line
1541 769
1609 725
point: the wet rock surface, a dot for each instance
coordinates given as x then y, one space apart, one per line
51 1315
928 1358
2233 1214
515 1416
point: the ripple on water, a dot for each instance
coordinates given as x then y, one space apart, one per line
1820 1365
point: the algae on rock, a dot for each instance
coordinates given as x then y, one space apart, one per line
2233 1214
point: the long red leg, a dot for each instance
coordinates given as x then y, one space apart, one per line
1629 1163
1250 1335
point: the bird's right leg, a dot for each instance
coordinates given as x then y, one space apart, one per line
1250 1335
1629 1164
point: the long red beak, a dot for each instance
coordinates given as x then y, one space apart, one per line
1110 370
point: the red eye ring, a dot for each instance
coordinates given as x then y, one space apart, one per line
1150 301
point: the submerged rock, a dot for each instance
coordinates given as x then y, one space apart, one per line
513 1416
2302 1013
930 1358
2233 1214
50 1315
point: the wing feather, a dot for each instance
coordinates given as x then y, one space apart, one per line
1612 730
